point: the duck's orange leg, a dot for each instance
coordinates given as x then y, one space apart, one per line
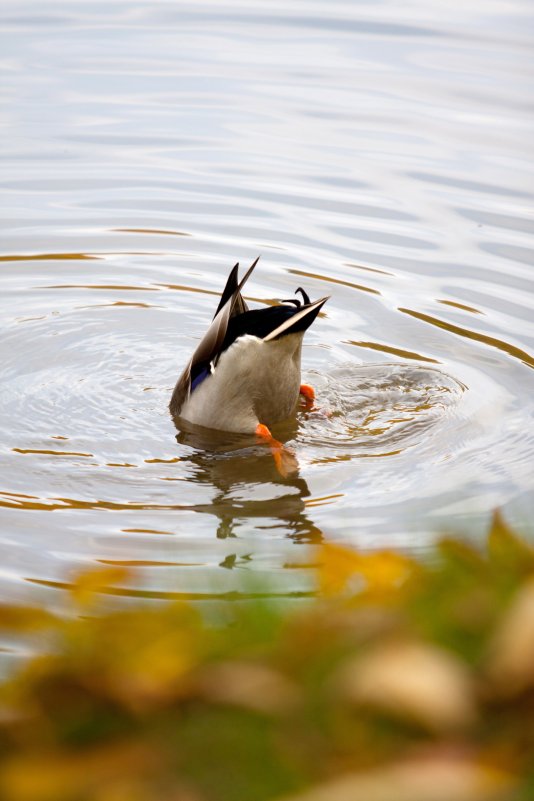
284 459
308 394
308 397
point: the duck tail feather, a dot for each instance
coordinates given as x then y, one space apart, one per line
232 291
229 289
299 321
247 274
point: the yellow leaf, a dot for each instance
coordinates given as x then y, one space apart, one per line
56 776
343 569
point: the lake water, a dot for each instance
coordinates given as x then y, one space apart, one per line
377 152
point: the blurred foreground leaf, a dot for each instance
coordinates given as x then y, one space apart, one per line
402 681
438 778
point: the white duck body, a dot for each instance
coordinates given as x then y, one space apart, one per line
254 381
245 370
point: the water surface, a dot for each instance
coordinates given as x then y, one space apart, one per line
377 153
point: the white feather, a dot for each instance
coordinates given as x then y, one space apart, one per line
254 381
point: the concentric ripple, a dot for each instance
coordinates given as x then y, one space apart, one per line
374 410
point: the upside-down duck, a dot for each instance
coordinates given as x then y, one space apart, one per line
244 375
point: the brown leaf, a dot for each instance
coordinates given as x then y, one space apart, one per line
428 779
511 660
414 681
249 685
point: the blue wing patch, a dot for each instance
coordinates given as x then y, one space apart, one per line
199 378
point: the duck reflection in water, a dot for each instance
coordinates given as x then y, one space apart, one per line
240 470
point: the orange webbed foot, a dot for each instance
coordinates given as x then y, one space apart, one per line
308 395
284 458
308 401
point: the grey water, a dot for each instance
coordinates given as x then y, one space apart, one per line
378 152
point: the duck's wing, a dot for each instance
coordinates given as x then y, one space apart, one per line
209 347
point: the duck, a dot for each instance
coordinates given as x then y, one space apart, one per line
245 374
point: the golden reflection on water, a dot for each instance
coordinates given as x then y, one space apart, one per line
369 269
183 288
52 257
122 303
351 457
493 342
156 231
173 460
461 306
401 352
30 502
50 453
339 281
327 499
145 531
105 287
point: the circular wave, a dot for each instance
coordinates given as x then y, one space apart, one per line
371 410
